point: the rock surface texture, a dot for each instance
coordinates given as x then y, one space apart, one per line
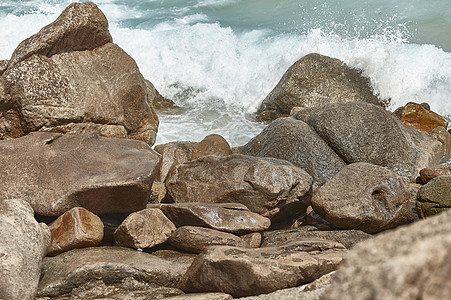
416 116
55 172
212 144
427 174
24 243
434 197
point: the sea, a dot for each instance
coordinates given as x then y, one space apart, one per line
218 59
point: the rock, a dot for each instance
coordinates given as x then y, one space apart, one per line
410 262
197 239
158 192
24 243
55 172
316 80
270 187
110 223
347 238
416 116
313 219
434 197
228 217
158 102
172 155
144 229
364 197
440 134
362 132
296 142
3 66
246 272
427 174
212 144
253 240
202 296
75 268
76 228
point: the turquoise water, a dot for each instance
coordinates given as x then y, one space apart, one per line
219 59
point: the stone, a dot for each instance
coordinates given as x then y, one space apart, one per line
416 116
410 262
202 296
316 80
55 172
313 219
158 102
227 217
76 228
434 197
427 174
247 272
254 239
296 142
197 239
271 187
172 155
3 66
365 197
363 132
79 267
440 134
23 245
213 144
144 229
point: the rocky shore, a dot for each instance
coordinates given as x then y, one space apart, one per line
337 198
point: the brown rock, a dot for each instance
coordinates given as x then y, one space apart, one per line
158 192
228 217
144 229
427 174
202 296
440 134
55 172
3 65
410 262
245 272
172 155
416 116
365 197
197 239
76 228
271 187
254 239
434 197
158 102
212 144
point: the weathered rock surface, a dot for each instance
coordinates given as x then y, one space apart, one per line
410 262
197 239
443 136
75 268
316 80
363 132
253 240
296 142
76 228
271 187
228 217
55 172
212 144
434 197
172 155
427 174
3 66
24 243
245 272
364 197
144 229
202 296
416 116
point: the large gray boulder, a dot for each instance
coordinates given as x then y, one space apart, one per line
23 245
295 141
55 172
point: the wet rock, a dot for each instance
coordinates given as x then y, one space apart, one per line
144 229
228 217
212 144
24 243
410 262
364 197
76 228
79 267
246 272
55 172
427 174
416 116
253 240
271 187
316 80
172 155
296 142
434 197
197 239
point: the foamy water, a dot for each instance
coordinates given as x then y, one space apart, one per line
219 58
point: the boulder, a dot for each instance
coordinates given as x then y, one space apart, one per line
213 144
443 136
77 268
202 296
364 197
427 174
434 197
271 187
228 217
296 142
76 228
363 132
416 116
197 239
410 262
246 272
55 172
316 80
24 243
172 155
3 66
144 229
253 239
158 102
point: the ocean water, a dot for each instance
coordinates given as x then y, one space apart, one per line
218 59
